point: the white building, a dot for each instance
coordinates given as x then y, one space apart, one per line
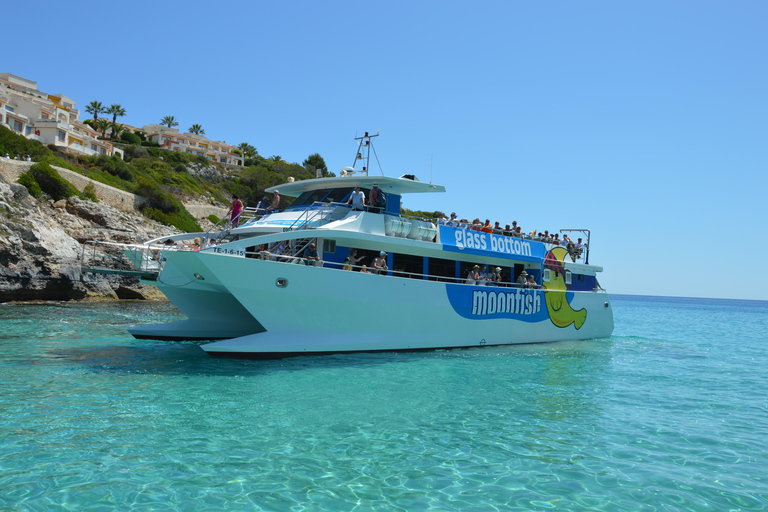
48 118
172 140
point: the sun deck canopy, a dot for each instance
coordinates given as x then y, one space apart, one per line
389 185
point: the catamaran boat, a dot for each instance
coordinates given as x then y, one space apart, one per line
322 277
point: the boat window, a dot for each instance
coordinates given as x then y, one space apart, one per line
329 246
407 265
301 199
337 195
568 277
442 270
547 275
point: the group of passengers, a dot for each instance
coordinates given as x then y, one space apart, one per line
355 262
574 248
376 199
477 276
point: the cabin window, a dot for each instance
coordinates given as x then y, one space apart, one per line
580 277
442 270
547 274
568 277
329 246
407 265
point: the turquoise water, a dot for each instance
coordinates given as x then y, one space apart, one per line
670 413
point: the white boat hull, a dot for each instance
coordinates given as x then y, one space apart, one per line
322 310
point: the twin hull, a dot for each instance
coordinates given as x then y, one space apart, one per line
273 309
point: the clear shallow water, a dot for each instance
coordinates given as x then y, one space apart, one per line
670 413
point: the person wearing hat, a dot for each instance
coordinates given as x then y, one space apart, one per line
263 206
380 264
521 279
494 278
473 275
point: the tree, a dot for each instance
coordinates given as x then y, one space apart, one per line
117 129
170 121
103 125
196 129
116 110
95 108
315 161
247 150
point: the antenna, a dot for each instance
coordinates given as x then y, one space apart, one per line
431 158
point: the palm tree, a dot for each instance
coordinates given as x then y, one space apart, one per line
117 129
116 110
103 125
95 108
196 129
170 121
247 149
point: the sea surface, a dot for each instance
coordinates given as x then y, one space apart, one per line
670 413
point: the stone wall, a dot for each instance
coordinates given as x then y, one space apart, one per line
11 170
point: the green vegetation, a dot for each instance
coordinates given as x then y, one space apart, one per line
169 121
48 181
164 178
196 129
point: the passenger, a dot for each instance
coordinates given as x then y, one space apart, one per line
310 255
487 228
377 199
494 279
515 226
531 283
236 209
354 259
275 206
196 244
497 229
520 282
598 287
508 230
579 248
168 242
357 198
463 224
263 206
277 251
476 225
380 263
453 221
482 277
264 254
364 270
347 264
556 239
473 275
571 251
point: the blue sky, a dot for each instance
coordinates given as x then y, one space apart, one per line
645 122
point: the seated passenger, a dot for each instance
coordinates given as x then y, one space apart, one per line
264 254
497 229
453 221
531 283
263 206
571 251
310 255
487 228
364 270
380 264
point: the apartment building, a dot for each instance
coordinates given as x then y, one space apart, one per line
172 140
48 118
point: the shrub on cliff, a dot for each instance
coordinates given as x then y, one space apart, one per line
114 165
14 144
130 138
50 182
28 181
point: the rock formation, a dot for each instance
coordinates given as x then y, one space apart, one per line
40 247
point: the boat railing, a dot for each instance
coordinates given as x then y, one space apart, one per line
139 260
295 257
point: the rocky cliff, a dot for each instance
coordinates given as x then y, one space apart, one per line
40 247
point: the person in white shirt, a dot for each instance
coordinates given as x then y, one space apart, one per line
357 198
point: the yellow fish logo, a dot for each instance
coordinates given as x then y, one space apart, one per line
560 311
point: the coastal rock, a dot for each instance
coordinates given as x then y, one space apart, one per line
40 248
